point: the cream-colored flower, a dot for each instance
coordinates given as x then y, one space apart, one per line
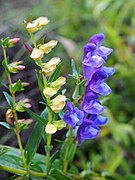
58 83
36 54
58 103
49 91
50 129
50 66
37 24
47 47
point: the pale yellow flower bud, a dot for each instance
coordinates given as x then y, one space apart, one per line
49 92
36 54
58 83
50 129
37 24
47 47
50 66
58 103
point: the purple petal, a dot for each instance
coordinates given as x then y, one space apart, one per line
94 107
97 38
108 71
101 87
104 51
87 132
100 120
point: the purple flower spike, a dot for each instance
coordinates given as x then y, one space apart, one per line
73 115
95 73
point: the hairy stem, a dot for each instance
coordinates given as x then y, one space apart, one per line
17 129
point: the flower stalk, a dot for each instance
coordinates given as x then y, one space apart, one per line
17 129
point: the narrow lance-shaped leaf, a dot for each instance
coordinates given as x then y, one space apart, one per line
74 69
40 83
17 87
8 99
35 116
55 74
33 142
3 84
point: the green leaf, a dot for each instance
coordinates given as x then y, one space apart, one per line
33 142
3 150
35 116
17 86
48 148
40 83
5 42
57 174
11 157
54 157
71 151
3 84
55 74
4 64
74 69
8 99
6 125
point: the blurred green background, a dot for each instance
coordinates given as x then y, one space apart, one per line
72 23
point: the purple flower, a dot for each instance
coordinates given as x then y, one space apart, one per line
73 115
89 128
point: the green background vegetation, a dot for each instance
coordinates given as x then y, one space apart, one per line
73 22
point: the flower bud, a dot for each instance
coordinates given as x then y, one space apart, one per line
25 121
49 92
47 47
14 40
58 83
15 67
36 54
28 47
20 67
50 129
10 117
25 84
50 66
58 103
21 103
37 24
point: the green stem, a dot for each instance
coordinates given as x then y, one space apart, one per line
15 112
33 40
67 150
21 171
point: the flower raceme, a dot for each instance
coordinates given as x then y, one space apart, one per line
89 118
